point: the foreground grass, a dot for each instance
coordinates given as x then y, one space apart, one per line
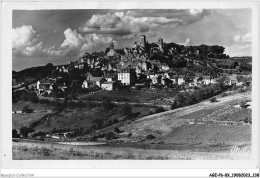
51 151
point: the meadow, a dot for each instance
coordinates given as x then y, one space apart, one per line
52 151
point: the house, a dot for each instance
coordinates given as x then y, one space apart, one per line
156 80
206 80
63 68
138 70
60 85
166 81
93 81
146 66
109 85
165 66
110 76
106 67
126 76
45 85
232 80
180 79
177 79
195 81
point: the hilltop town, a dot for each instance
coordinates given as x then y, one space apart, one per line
144 65
99 96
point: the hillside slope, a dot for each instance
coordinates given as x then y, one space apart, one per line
169 126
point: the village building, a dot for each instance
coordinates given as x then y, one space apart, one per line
109 85
232 80
206 80
45 85
156 80
92 80
126 76
110 76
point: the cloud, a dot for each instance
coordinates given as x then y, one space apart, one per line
26 43
76 44
246 38
242 45
187 42
239 50
23 37
126 24
195 11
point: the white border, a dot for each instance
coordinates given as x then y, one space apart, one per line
7 161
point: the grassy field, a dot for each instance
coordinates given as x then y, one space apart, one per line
36 106
175 137
210 135
24 119
86 118
131 96
51 151
164 123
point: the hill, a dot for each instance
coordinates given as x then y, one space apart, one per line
33 73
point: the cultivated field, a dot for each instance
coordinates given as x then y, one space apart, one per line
44 151
163 123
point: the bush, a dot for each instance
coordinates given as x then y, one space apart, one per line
24 131
32 96
174 105
15 134
24 95
243 104
117 130
110 135
224 94
159 110
241 90
107 104
213 99
150 136
27 109
126 110
247 120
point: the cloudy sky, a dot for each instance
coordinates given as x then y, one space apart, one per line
59 36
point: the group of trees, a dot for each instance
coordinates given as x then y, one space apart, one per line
25 95
186 98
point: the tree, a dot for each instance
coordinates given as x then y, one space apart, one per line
32 96
213 99
159 109
24 132
110 135
15 134
24 95
150 136
27 109
126 110
107 104
174 105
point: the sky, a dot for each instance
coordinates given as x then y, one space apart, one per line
59 36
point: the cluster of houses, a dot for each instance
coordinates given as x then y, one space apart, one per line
132 68
128 77
48 84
